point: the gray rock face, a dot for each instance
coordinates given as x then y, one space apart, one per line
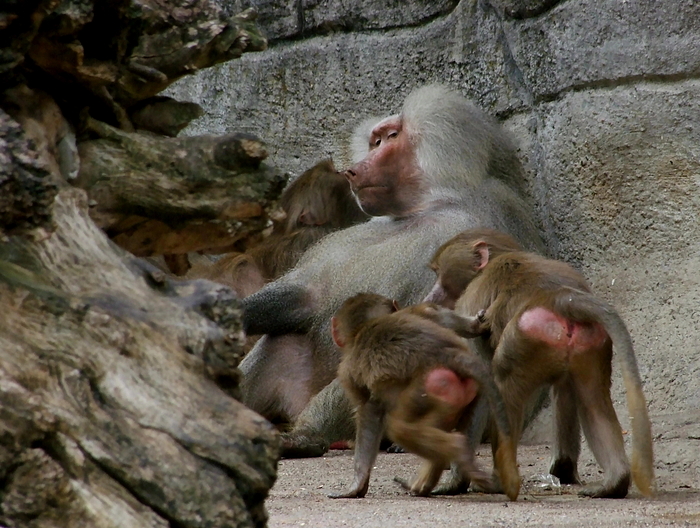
305 97
590 44
524 8
303 18
602 96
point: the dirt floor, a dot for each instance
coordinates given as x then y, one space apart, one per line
299 496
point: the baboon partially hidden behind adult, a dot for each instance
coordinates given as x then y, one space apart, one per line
438 167
313 205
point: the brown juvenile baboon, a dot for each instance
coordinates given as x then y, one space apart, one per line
320 197
546 327
315 204
438 167
410 374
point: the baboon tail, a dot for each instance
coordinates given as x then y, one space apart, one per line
583 306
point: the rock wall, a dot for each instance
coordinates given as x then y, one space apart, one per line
601 94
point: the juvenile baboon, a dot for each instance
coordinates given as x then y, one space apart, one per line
411 375
546 327
438 167
315 204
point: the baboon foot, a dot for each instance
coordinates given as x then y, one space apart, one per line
302 446
608 490
565 470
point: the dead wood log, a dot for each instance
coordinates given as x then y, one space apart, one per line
110 54
63 61
27 189
118 386
106 415
156 195
43 123
164 115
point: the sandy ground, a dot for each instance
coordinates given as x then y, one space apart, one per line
299 495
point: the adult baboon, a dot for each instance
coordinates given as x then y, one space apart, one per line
438 167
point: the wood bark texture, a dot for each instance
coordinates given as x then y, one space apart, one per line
82 77
156 195
109 413
118 385
111 54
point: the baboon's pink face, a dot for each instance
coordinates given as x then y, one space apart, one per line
388 180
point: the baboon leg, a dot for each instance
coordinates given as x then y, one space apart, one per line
525 362
522 367
495 442
427 478
591 376
423 439
567 432
278 398
515 410
370 420
326 419
519 371
474 426
439 447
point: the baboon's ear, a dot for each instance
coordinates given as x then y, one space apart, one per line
481 249
335 332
